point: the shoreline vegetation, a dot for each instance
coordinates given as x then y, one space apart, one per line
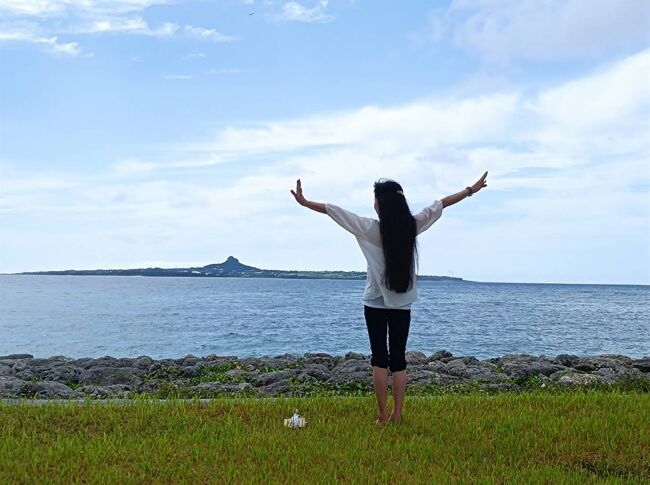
312 374
231 268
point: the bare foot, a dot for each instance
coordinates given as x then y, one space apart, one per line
382 421
395 419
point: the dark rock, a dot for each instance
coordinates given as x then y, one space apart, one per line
415 358
188 361
143 362
38 362
47 390
343 378
352 370
288 357
616 357
317 371
6 370
532 369
275 362
576 362
437 366
526 365
85 362
61 373
11 386
420 376
459 368
16 356
356 356
608 375
521 370
167 367
446 379
306 378
467 360
642 364
190 371
618 363
24 373
105 376
276 388
321 358
351 366
440 354
577 378
270 377
236 374
249 363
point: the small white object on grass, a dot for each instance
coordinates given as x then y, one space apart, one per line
295 421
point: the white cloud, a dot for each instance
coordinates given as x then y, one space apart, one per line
140 26
78 17
566 104
135 166
52 44
296 12
554 29
44 8
420 125
127 25
207 34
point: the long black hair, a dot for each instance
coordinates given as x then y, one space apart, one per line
398 231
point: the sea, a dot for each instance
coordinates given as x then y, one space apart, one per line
171 317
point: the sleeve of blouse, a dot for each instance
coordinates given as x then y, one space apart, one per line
351 222
427 216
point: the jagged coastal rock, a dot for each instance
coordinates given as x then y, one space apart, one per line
23 376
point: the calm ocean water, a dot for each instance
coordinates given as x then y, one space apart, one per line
93 316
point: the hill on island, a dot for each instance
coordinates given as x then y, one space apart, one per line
231 267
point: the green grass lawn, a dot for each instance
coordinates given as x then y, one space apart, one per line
577 437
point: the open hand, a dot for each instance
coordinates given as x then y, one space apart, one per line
298 193
480 184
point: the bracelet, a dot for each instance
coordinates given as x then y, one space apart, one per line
469 191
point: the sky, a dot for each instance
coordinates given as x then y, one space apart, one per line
142 133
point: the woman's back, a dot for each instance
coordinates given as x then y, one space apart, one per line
368 235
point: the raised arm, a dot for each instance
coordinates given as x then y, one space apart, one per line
466 192
316 206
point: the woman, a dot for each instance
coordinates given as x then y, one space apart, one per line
390 248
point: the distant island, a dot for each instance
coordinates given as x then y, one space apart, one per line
232 268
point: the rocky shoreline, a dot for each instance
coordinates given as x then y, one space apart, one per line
23 376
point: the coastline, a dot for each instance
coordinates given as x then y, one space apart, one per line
61 377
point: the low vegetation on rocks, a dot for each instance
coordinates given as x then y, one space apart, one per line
311 374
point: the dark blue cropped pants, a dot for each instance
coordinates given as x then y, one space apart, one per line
395 323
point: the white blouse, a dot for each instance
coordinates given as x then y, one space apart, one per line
366 231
